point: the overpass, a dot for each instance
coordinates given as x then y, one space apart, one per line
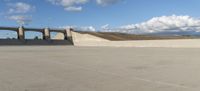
45 32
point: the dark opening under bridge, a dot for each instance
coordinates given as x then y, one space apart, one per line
46 32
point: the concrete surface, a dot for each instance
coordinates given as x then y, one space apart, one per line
68 68
91 40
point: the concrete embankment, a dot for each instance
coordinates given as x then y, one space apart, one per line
80 39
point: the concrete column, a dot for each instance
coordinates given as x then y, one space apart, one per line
20 33
68 34
46 34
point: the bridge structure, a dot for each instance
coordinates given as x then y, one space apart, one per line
46 32
46 36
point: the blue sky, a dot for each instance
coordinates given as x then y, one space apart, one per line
97 13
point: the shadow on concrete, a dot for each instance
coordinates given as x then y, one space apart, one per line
33 42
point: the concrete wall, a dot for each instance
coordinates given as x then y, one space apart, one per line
79 37
90 40
34 42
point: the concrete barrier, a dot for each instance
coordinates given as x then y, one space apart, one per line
90 40
33 42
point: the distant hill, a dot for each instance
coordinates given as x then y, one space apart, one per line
179 33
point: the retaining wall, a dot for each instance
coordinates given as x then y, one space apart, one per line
34 42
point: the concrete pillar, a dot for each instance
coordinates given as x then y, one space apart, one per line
68 34
20 33
46 34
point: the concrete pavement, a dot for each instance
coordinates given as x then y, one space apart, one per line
68 68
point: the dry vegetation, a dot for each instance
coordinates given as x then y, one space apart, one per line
122 36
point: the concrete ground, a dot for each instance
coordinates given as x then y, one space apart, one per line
67 68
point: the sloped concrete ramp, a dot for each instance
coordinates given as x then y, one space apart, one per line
87 39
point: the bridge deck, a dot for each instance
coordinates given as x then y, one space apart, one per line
32 29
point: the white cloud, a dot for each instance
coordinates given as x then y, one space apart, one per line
85 28
72 8
20 7
165 24
69 5
76 5
106 2
104 27
19 12
20 19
